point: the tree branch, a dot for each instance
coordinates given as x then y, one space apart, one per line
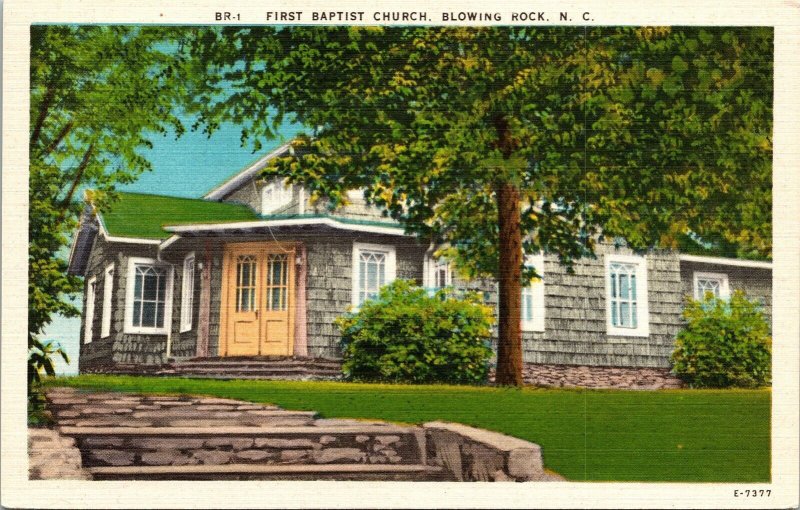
57 140
75 182
44 108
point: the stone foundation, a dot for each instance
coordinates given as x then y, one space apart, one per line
584 376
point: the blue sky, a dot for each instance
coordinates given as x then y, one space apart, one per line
187 167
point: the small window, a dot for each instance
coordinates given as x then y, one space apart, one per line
438 274
373 267
715 283
108 289
275 196
626 295
277 282
148 304
88 327
533 297
187 293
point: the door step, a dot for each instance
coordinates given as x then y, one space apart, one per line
271 472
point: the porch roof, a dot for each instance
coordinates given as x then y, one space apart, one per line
143 216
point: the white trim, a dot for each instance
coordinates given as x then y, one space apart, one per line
537 289
724 289
238 179
390 267
301 200
131 284
166 242
726 261
282 195
187 293
330 222
108 294
642 328
91 303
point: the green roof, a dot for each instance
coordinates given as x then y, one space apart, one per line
143 216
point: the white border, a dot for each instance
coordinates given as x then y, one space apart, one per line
642 328
291 222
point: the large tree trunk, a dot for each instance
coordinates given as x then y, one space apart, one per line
509 341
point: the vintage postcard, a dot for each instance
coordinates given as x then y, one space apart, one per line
314 255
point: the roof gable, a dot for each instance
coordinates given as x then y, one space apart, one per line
243 177
143 216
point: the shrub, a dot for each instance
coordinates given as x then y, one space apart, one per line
725 343
406 335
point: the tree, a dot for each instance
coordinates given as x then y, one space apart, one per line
502 141
97 94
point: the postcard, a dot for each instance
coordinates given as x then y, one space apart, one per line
402 255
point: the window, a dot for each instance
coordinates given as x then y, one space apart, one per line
187 293
533 297
88 326
274 196
108 289
438 274
277 281
626 295
715 283
246 274
148 305
373 267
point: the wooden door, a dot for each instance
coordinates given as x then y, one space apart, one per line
257 300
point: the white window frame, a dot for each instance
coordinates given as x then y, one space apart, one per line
91 302
642 328
390 266
131 284
536 292
108 294
280 196
724 289
432 265
187 292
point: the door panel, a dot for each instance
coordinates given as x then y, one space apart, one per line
243 314
277 338
258 309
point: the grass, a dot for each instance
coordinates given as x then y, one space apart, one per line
141 215
586 435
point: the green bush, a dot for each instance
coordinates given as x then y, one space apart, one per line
406 335
726 343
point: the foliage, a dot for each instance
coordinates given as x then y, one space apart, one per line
97 94
40 359
605 124
406 335
597 435
725 343
648 134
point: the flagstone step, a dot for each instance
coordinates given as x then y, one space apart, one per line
407 472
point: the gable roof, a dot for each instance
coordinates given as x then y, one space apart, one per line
143 216
235 182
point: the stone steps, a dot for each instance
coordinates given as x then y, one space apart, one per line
373 472
254 368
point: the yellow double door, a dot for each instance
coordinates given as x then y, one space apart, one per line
257 308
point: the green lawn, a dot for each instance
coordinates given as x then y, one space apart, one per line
668 435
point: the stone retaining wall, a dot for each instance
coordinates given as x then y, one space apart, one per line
598 377
476 455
